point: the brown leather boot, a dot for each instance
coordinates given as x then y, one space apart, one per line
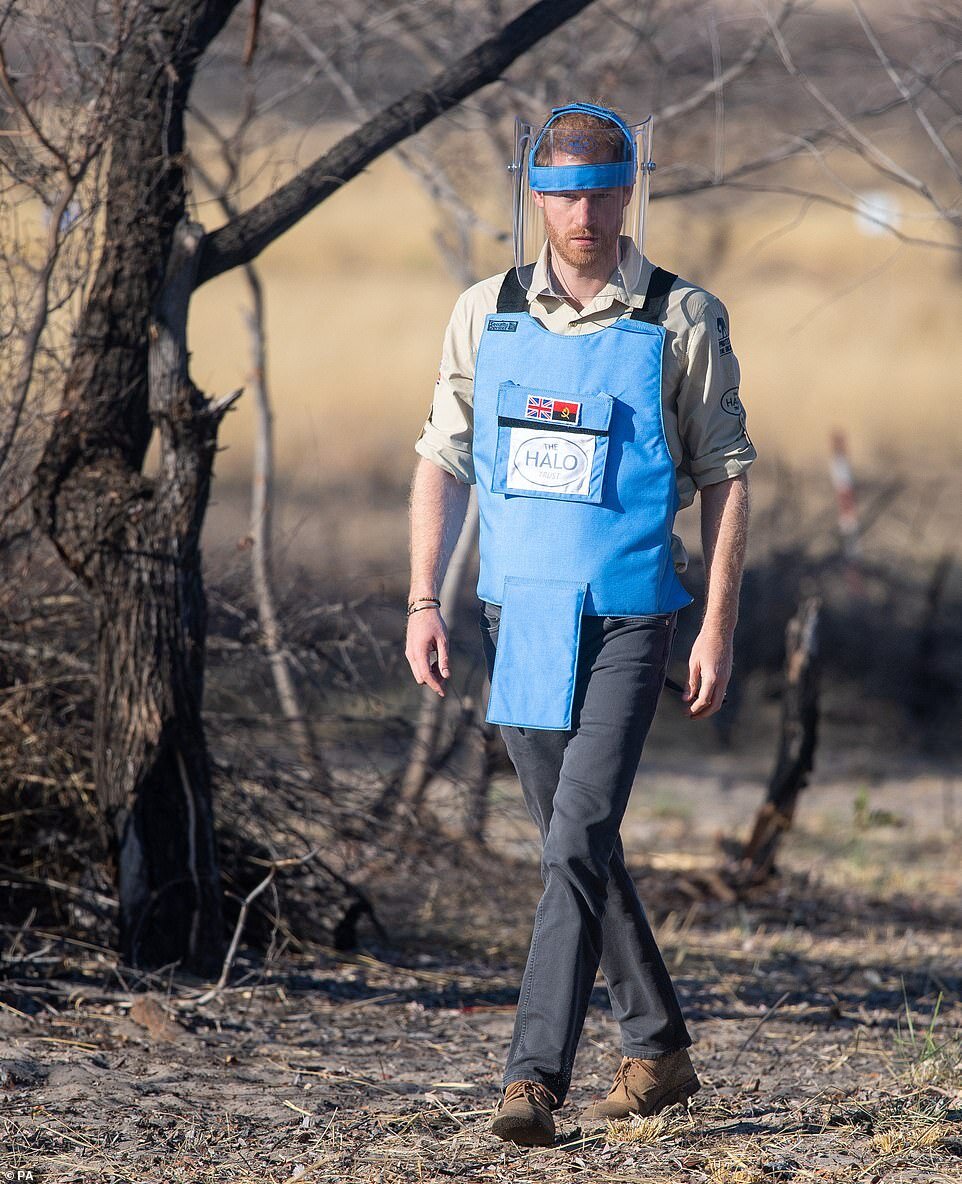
524 1114
646 1087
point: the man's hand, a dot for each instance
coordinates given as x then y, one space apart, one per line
709 669
427 648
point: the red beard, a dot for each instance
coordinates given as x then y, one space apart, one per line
602 249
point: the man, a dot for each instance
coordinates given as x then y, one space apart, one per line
588 395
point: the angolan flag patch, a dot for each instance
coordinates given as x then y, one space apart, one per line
539 407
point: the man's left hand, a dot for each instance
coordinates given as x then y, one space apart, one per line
709 669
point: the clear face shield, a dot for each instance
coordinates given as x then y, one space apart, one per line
584 188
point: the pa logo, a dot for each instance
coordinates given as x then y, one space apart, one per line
731 403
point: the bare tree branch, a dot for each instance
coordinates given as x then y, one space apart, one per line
422 165
866 147
253 29
815 198
711 86
242 239
27 116
906 93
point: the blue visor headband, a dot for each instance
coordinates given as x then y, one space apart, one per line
546 178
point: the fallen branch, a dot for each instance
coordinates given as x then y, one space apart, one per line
239 928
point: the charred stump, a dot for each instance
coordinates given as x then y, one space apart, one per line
796 748
483 748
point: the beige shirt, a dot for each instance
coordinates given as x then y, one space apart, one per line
703 416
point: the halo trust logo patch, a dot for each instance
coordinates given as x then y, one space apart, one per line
556 461
731 403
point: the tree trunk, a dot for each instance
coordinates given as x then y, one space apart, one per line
133 540
152 629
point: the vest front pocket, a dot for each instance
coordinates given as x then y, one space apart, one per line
551 444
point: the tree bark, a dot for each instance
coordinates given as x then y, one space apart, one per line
149 740
133 540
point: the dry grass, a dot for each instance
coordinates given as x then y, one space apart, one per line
901 1139
732 1168
655 1128
826 1054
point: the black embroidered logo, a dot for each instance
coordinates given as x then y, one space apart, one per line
503 326
724 341
731 403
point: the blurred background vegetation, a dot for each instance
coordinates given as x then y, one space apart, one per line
797 179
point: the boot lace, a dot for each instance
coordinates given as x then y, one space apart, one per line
531 1091
624 1070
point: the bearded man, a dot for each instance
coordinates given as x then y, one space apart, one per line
589 395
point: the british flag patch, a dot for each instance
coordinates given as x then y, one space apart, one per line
561 410
538 408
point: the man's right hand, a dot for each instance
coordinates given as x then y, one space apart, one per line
427 648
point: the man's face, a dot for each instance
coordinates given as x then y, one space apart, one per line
583 225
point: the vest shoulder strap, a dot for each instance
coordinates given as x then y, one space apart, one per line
513 296
656 298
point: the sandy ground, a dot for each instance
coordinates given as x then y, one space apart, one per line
824 1011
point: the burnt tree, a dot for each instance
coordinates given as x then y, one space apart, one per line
133 538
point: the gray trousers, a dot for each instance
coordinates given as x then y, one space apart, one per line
576 785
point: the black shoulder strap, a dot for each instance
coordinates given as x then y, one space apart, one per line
656 298
513 296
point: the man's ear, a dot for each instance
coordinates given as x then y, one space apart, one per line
538 198
629 190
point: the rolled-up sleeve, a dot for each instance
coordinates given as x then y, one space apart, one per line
711 417
447 435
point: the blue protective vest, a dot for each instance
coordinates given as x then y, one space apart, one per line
576 492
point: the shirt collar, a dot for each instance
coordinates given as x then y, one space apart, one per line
543 286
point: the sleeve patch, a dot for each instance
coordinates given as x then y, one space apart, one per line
724 339
730 401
